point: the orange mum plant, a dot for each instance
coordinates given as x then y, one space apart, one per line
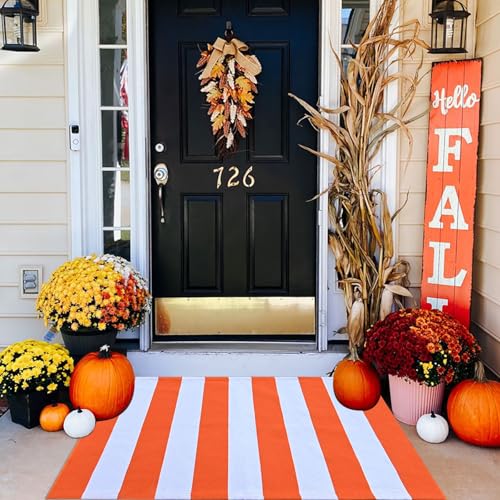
428 346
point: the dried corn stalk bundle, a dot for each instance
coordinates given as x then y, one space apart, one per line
229 81
361 235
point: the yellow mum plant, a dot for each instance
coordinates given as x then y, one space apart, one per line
34 365
94 292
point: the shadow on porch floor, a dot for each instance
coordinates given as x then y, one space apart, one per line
31 460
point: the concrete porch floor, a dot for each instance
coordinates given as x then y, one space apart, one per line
31 460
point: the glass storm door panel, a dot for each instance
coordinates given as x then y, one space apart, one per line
234 254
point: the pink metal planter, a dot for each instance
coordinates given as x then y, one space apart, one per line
410 400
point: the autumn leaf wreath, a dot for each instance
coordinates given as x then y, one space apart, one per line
229 81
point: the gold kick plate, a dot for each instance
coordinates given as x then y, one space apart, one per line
235 315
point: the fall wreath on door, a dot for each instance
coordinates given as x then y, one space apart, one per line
228 79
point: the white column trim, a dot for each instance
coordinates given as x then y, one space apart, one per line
388 156
139 146
75 176
329 75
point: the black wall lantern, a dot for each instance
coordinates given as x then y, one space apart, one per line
449 27
19 25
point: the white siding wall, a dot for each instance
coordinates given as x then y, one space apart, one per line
486 279
34 220
483 41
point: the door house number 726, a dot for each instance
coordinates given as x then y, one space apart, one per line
248 179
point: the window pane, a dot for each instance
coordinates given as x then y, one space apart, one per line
114 77
355 19
117 243
347 55
116 199
113 21
115 139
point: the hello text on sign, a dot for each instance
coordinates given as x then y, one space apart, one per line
451 187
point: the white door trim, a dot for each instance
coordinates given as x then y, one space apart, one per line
329 74
82 66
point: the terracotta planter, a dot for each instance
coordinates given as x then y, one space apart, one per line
410 400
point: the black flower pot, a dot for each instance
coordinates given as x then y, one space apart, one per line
85 341
25 407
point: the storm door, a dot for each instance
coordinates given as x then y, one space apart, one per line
234 249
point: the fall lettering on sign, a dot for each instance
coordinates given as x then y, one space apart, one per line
451 187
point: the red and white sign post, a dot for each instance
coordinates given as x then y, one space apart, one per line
451 187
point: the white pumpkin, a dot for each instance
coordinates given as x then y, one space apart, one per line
432 428
79 423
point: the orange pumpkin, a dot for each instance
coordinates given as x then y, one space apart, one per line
52 417
356 384
474 410
103 382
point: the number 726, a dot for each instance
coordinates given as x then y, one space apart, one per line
248 179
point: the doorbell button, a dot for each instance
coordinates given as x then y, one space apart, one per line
159 148
74 136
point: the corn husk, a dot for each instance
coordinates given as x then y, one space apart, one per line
361 236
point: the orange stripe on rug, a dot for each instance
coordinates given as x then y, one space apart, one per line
76 473
279 480
210 479
412 471
346 472
144 470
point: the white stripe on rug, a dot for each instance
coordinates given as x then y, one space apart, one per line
244 475
107 478
176 476
311 470
379 471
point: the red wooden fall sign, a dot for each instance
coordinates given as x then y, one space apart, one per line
451 187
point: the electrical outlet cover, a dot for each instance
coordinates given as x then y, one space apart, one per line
30 281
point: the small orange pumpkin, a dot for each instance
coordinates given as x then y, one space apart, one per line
103 382
356 384
474 410
52 417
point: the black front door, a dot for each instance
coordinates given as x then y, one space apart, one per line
238 239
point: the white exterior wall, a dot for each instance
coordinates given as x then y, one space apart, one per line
483 41
34 215
486 278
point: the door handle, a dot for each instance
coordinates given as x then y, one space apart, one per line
160 174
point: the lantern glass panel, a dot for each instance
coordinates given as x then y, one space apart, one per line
29 31
12 30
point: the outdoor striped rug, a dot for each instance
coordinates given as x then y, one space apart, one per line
244 438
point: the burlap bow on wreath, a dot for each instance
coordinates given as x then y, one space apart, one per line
229 80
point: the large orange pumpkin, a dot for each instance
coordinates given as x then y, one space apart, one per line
474 410
103 382
52 417
356 384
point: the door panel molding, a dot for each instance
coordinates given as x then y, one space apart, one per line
274 55
268 228
202 215
198 7
191 102
268 8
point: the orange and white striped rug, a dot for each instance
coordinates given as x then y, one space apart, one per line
244 438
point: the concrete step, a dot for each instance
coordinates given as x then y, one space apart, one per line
232 362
